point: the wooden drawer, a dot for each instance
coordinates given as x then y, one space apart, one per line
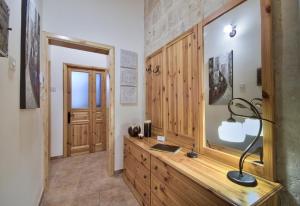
130 168
141 155
143 191
164 194
135 170
155 201
176 184
143 175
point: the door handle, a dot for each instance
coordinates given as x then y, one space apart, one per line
69 117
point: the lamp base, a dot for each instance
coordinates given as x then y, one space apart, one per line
244 179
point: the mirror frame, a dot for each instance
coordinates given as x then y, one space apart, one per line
267 170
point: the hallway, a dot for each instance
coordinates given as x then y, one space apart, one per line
83 181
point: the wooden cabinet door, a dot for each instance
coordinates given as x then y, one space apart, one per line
154 93
157 104
182 82
148 77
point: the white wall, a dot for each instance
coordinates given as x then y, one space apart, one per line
21 168
246 46
59 56
119 23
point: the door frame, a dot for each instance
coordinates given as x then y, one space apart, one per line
74 43
66 66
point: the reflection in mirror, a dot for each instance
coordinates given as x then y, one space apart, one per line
232 68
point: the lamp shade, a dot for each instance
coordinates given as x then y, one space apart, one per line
231 132
251 127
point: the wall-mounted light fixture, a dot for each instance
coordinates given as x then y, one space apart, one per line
230 30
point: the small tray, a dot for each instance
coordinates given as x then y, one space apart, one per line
165 148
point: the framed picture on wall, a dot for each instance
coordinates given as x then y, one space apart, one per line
221 79
30 56
4 28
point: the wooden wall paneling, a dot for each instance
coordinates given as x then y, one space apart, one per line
171 90
182 90
154 91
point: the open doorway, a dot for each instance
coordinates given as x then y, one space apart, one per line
109 110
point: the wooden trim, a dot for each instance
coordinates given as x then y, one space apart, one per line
77 66
74 43
224 9
181 36
58 40
65 111
268 169
154 54
268 85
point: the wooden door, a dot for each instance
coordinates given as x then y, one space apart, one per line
86 111
154 99
99 110
182 92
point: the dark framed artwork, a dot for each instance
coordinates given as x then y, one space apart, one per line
4 28
220 70
30 56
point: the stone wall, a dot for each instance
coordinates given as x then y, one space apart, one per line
166 19
286 42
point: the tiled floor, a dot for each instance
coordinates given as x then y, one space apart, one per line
83 181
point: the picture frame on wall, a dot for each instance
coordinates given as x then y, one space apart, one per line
220 71
4 28
30 56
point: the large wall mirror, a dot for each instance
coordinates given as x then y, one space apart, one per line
232 58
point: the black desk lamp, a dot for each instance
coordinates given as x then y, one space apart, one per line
241 177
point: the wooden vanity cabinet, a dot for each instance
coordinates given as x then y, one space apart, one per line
163 179
154 92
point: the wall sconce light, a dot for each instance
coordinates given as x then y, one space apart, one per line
230 30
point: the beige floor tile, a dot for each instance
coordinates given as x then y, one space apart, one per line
83 181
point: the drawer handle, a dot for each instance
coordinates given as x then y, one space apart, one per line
155 188
145 194
155 167
145 176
